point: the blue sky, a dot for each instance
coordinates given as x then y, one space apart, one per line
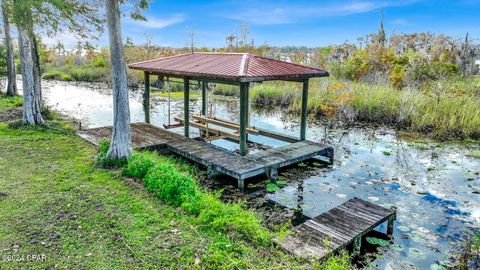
309 23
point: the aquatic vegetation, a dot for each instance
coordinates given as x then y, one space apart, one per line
385 153
271 187
436 266
415 252
281 183
474 154
396 247
403 228
377 241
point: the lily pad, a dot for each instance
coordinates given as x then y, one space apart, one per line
281 183
437 267
377 241
415 252
418 237
396 247
448 264
271 187
403 228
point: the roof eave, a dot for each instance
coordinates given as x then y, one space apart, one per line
294 77
232 79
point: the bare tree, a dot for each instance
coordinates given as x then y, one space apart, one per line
121 143
11 74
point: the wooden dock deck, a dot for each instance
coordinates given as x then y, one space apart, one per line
214 158
338 227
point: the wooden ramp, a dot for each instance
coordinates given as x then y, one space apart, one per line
216 160
337 228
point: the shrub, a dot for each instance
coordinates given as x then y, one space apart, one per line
53 75
227 217
139 164
65 77
104 161
170 186
271 94
226 90
161 176
397 76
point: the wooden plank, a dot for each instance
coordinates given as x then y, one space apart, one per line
223 124
210 129
340 226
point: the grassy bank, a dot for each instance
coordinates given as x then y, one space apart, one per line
446 110
9 102
58 203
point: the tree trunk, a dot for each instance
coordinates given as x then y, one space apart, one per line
121 143
37 73
31 101
11 74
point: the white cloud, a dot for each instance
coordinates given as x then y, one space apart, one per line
274 14
160 23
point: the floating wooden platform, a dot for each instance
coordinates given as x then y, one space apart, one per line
216 160
337 228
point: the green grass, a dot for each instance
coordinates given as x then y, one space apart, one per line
58 203
226 90
177 94
89 73
9 102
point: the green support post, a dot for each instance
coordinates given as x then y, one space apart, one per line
204 98
161 82
303 121
243 118
186 105
146 97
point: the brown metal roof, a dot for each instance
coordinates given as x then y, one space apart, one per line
235 67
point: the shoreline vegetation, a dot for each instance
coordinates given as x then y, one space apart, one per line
450 113
62 204
419 82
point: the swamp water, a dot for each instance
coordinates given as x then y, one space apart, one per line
435 187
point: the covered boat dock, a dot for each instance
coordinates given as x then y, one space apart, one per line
239 69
